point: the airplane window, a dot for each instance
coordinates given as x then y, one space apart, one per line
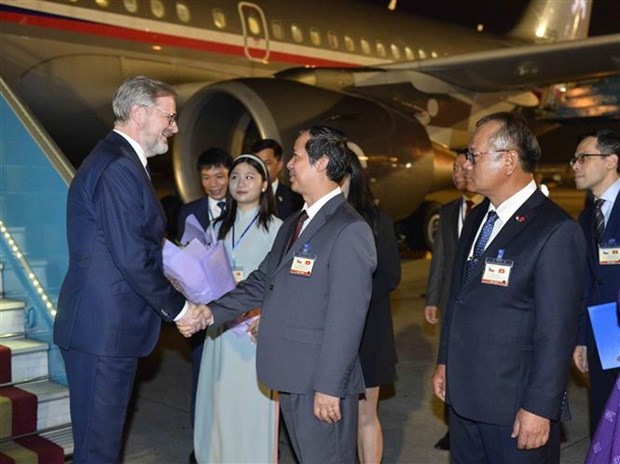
409 53
421 53
102 3
349 44
365 46
277 29
254 25
183 12
395 51
157 8
315 36
131 5
332 38
381 49
219 18
297 33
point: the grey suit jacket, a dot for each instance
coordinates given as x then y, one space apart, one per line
444 248
311 327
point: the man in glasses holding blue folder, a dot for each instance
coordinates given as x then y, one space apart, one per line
596 168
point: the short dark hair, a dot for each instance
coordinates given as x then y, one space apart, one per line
515 134
262 144
214 158
329 142
607 141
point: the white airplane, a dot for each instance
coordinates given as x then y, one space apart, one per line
406 90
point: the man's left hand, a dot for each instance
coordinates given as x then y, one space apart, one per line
327 408
530 430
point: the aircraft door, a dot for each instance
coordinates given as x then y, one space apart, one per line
255 32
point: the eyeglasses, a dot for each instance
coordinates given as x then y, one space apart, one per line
172 117
471 156
581 158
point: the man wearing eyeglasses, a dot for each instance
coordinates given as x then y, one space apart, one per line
511 322
115 295
596 169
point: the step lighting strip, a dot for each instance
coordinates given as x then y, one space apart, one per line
34 281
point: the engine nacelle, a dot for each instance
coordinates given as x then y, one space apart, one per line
402 163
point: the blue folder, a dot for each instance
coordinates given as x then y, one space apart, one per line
604 318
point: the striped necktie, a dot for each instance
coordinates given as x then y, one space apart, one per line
481 243
297 231
599 220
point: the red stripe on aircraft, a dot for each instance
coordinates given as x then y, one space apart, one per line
154 38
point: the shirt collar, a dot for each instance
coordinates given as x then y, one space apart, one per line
317 205
274 186
135 145
512 204
611 193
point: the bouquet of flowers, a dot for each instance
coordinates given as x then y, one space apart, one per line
200 269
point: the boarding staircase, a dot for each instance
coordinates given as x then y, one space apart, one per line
35 425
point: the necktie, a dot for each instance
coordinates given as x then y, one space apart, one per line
481 243
222 206
468 206
300 223
599 220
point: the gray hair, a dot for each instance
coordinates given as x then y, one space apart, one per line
138 90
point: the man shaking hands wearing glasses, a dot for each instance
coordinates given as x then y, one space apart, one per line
511 322
115 295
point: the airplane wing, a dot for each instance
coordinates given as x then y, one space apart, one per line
522 68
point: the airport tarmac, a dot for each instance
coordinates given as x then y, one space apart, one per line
158 430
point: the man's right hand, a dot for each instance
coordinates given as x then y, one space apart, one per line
430 314
580 358
439 382
198 317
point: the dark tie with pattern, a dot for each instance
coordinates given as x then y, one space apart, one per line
222 206
300 223
599 220
481 243
468 206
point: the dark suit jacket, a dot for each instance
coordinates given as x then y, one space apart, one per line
507 348
311 327
444 247
287 201
199 208
602 282
114 295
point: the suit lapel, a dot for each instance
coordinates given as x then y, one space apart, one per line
315 225
517 222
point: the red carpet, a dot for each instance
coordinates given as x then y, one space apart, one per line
32 449
5 364
21 407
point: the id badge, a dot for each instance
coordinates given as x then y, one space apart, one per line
302 265
238 274
497 271
609 254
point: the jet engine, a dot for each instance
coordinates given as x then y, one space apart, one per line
403 165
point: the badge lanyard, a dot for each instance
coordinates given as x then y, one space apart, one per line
236 244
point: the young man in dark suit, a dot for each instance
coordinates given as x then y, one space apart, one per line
597 169
511 323
314 289
452 217
115 295
213 166
287 201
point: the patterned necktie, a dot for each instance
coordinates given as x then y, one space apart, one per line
468 206
599 220
222 206
300 223
481 243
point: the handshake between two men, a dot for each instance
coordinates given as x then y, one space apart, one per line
198 317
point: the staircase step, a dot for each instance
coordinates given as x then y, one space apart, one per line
28 358
11 317
63 437
53 403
